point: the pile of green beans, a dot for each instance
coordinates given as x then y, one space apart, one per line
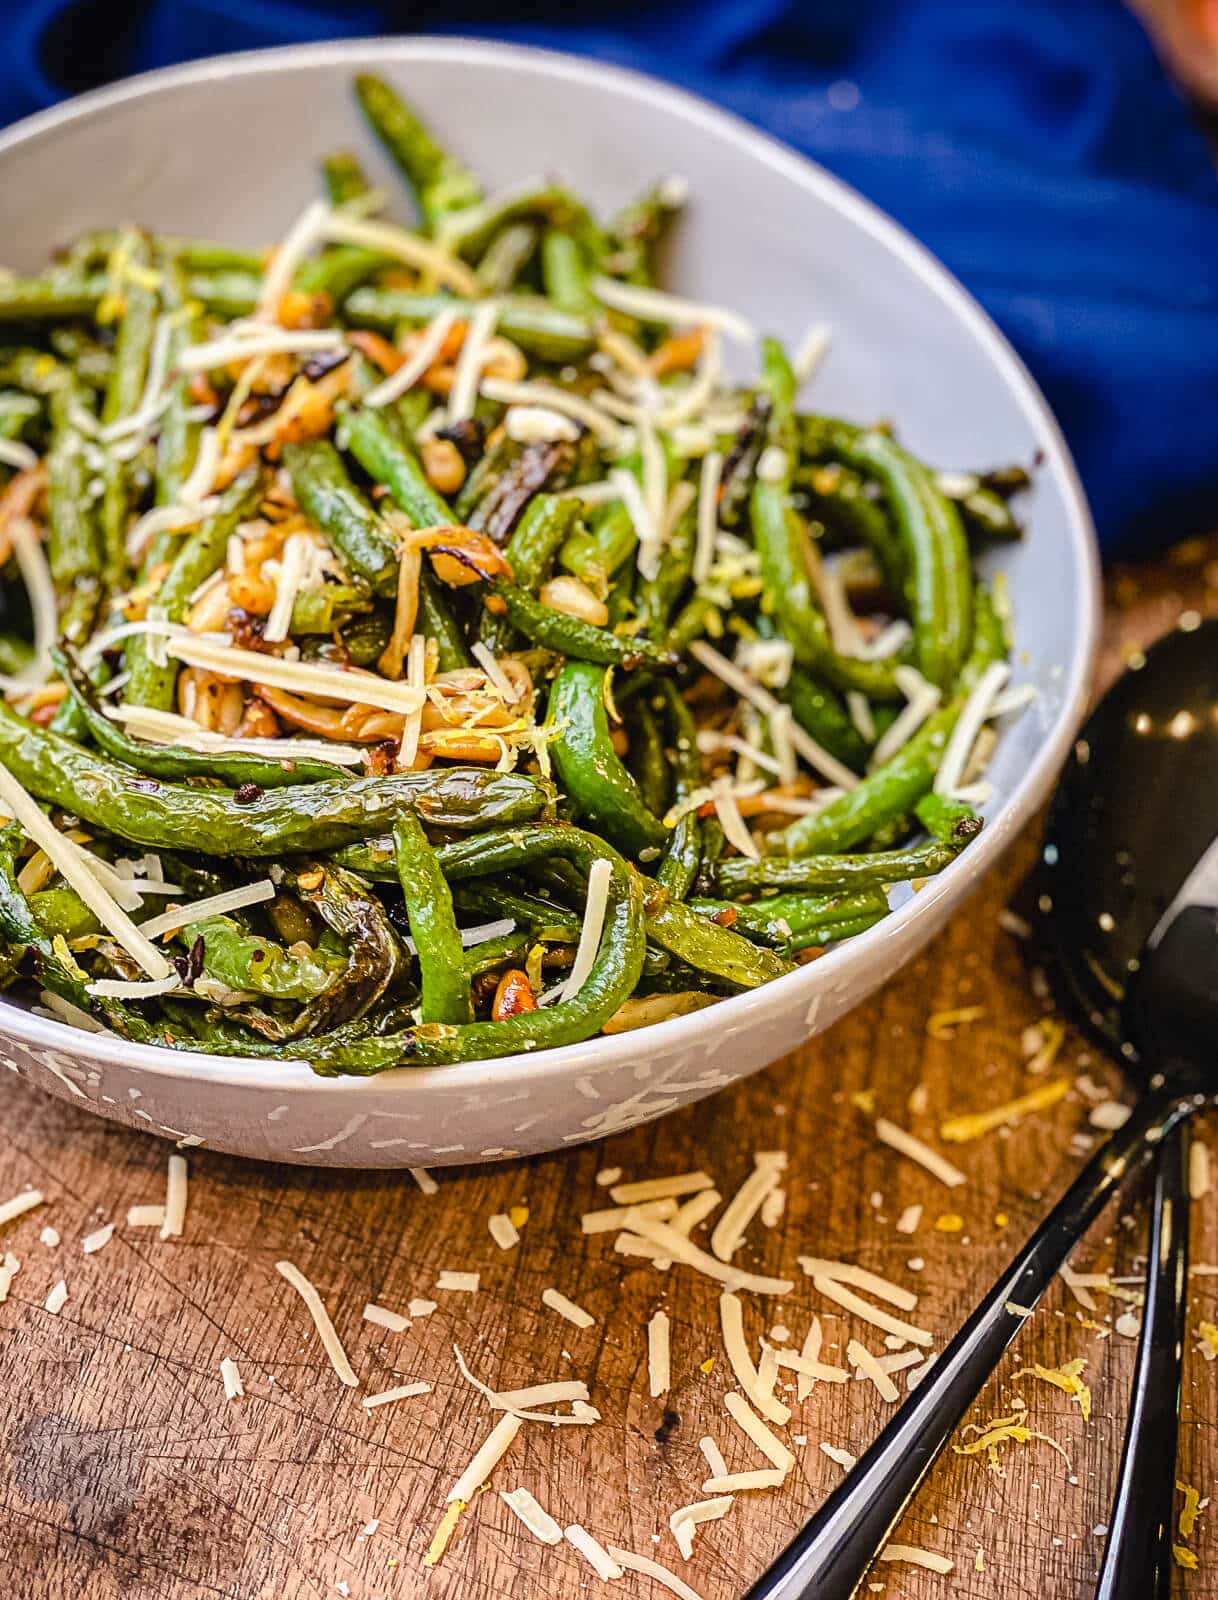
580 809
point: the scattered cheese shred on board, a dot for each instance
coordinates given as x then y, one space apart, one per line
566 1308
459 1282
906 1144
233 1387
729 1231
745 1482
175 1199
1190 1510
404 1391
909 1219
321 1321
916 1557
593 1552
382 1317
445 1529
659 1363
98 1239
810 1352
607 1176
633 1194
57 1298
535 1517
421 1308
9 1269
869 1313
49 1237
679 1248
1078 1286
694 1211
810 1369
942 1024
959 1130
842 1458
20 1204
542 1394
860 1278
1068 1378
653 1569
731 1318
485 1459
424 1179
686 1519
768 1442
612 1217
868 1366
713 1456
1199 1184
145 1216
503 1231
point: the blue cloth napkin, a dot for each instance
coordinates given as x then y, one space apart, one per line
1037 148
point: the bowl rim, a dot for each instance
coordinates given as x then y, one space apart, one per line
607 1053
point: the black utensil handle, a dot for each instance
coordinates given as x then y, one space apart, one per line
830 1557
1138 1560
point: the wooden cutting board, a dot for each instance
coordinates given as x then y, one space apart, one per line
124 1472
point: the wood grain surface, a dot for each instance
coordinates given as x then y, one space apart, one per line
125 1472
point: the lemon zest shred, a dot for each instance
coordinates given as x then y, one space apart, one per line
1184 1557
1068 1378
1190 1510
973 1125
942 1024
444 1532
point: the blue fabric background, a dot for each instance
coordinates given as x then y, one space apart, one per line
1035 146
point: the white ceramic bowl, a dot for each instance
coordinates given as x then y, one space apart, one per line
228 149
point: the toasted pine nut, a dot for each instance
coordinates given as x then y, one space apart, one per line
513 995
443 465
252 592
210 610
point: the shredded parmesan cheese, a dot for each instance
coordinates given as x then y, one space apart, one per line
677 1247
593 1552
814 754
713 1456
653 1569
768 1442
685 1519
867 1366
907 1145
98 1239
39 828
642 1193
340 227
145 1216
503 1231
731 1319
429 345
424 1179
321 1321
382 1317
916 1557
233 1387
659 1369
57 1298
566 1308
405 1391
977 709
729 1231
612 1217
536 1519
486 1458
458 1282
595 907
860 1278
567 404
656 305
175 1199
869 1313
20 1204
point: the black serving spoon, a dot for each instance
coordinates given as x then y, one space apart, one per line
1136 809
